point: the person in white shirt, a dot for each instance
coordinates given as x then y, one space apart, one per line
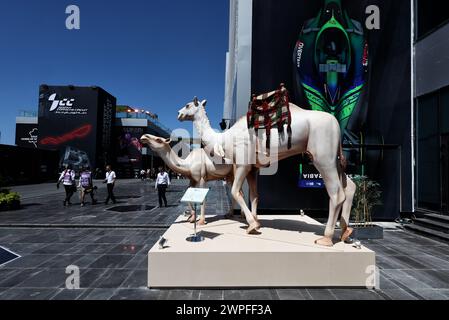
67 178
162 182
110 181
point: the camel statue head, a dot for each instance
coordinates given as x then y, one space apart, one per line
190 110
155 143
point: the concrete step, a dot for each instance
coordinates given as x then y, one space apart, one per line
433 224
431 233
437 217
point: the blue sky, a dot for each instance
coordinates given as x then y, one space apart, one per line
147 53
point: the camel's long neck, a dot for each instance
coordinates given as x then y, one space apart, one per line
207 134
174 162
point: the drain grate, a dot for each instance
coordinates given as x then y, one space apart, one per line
7 256
131 208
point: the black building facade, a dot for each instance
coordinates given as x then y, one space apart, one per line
77 121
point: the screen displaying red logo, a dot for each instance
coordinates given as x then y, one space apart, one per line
79 133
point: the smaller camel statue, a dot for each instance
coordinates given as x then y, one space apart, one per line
198 167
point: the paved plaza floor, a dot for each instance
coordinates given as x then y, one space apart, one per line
110 248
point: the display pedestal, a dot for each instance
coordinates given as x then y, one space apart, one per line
283 255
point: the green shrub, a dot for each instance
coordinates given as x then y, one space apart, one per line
9 200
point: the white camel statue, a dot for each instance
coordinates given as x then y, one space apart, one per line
198 167
315 133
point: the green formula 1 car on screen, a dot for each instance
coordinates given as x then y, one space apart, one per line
331 68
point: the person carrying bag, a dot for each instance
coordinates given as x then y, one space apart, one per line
68 180
86 186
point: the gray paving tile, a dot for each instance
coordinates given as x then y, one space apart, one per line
86 260
356 294
138 262
211 295
113 278
55 248
398 294
431 294
61 261
23 248
90 277
444 292
410 262
66 294
183 295
28 294
125 249
385 283
111 261
255 294
136 294
91 248
99 294
390 262
292 294
30 261
436 279
18 278
403 278
321 294
136 279
46 278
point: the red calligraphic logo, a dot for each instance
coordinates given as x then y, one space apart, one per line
365 55
79 133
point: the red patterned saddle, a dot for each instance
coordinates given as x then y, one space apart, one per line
271 110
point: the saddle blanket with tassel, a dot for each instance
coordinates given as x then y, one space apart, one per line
271 110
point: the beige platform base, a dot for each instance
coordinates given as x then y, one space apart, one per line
283 255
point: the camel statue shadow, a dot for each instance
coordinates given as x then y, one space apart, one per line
209 235
290 225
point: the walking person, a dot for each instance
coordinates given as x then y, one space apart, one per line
110 181
162 182
86 186
67 178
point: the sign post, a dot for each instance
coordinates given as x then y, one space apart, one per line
195 196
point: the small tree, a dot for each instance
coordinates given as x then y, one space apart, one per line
367 196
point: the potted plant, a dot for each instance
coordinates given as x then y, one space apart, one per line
367 196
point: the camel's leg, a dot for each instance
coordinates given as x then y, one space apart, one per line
350 190
240 175
230 213
192 214
202 220
253 194
336 198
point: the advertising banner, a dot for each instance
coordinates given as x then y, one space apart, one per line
26 135
129 148
352 59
